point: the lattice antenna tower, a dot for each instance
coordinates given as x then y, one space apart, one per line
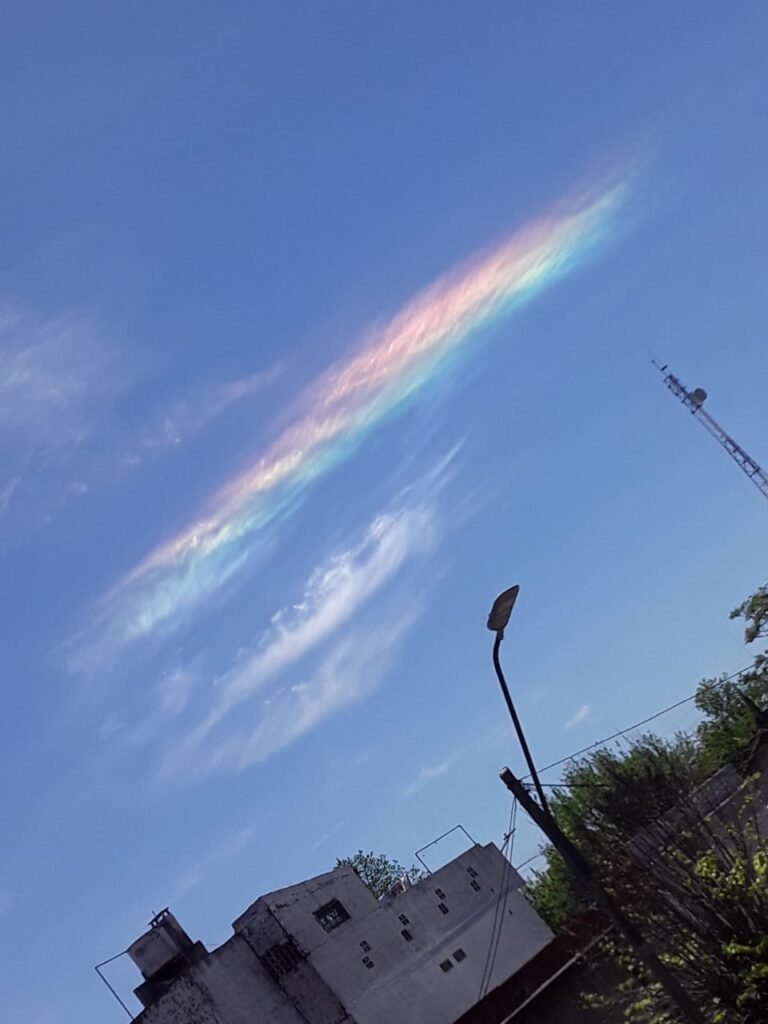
694 401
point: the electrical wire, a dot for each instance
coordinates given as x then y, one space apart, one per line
637 725
530 860
618 735
499 909
512 825
575 785
496 907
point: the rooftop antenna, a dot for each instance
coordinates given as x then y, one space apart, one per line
694 401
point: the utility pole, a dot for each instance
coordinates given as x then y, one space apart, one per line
593 888
694 402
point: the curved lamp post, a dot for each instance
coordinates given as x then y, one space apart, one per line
497 623
583 872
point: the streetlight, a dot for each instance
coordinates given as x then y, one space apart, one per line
497 623
583 872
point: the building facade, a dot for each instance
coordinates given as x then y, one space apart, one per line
326 951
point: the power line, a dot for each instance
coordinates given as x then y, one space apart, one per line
576 785
637 725
531 859
502 887
499 909
617 735
512 821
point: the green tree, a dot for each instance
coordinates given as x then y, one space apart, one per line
728 727
704 908
695 883
606 798
378 871
754 611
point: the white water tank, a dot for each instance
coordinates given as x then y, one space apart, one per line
164 941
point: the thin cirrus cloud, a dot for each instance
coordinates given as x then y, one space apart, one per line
389 370
222 854
425 776
188 417
335 592
7 492
174 690
56 376
172 696
352 670
579 716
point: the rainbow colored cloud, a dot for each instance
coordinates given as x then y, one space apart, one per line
390 369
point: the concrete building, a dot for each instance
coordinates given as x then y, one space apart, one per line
326 951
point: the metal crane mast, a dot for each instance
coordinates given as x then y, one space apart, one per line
694 400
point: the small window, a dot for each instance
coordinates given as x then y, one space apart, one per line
406 935
475 885
368 962
442 908
440 894
404 919
331 915
281 958
471 872
459 955
446 966
365 946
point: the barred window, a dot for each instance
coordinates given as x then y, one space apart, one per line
281 958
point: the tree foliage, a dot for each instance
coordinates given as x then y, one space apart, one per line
378 871
699 892
606 798
754 611
704 906
728 726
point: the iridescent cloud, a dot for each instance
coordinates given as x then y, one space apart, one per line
390 368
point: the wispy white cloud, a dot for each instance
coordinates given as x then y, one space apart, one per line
326 837
172 695
425 776
578 717
190 415
260 704
109 729
350 672
56 376
222 854
174 690
334 592
7 492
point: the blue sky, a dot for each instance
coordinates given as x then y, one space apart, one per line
319 326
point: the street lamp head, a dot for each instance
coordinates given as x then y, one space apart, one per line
502 609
